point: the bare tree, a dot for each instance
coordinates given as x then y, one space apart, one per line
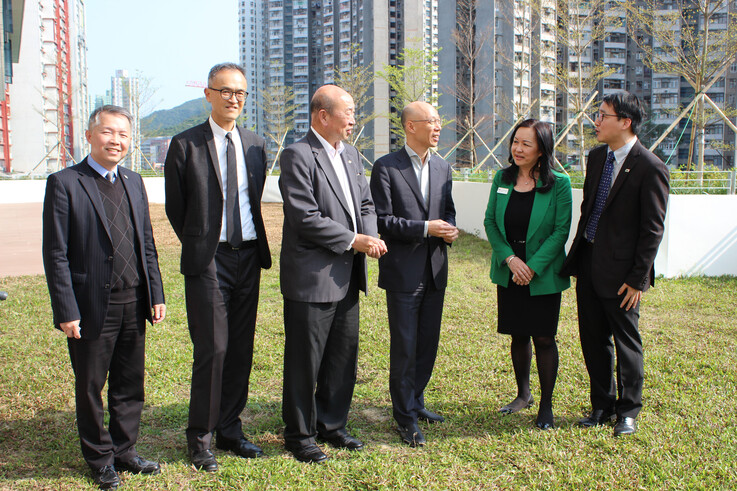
140 92
358 80
471 87
278 105
696 40
412 79
582 24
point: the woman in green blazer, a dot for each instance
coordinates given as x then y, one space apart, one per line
527 223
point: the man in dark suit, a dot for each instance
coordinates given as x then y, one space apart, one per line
329 227
622 220
215 175
411 189
104 282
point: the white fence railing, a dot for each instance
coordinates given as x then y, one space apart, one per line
700 230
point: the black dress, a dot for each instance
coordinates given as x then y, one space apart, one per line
521 314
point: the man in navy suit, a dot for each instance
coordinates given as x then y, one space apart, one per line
416 216
622 222
215 174
104 282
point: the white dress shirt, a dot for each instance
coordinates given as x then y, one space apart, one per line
422 171
620 155
221 145
334 155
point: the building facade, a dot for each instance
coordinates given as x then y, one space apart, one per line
48 97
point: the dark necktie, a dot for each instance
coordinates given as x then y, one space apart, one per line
601 195
232 203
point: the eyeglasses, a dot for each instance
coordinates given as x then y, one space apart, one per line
226 94
432 122
600 115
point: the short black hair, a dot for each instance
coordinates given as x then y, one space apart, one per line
544 166
110 109
224 66
627 105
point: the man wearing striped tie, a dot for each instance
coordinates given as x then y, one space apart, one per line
622 220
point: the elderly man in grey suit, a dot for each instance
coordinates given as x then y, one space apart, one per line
416 216
329 227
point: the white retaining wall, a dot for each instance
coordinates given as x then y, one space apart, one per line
700 231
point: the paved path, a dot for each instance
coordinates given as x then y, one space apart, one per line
20 239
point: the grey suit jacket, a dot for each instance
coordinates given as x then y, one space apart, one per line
316 260
194 194
78 251
402 213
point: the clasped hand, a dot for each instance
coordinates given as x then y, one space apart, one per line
442 229
372 246
521 273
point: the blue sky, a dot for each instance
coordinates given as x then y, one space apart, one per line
169 41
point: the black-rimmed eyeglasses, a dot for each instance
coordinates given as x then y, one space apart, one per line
226 94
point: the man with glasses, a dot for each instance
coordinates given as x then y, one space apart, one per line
416 217
215 174
622 220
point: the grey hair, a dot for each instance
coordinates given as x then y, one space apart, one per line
224 66
109 109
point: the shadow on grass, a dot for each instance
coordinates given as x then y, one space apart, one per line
47 446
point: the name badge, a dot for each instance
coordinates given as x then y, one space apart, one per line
502 190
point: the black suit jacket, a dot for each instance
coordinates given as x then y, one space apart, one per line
194 194
78 250
316 258
631 224
402 213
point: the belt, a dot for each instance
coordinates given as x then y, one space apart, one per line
246 244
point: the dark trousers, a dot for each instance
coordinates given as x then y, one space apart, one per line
118 356
221 309
320 360
601 319
414 325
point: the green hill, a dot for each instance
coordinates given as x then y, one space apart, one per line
169 122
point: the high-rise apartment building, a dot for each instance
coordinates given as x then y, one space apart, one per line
516 46
11 22
48 97
304 42
252 53
664 93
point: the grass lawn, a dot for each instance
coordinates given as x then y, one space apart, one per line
688 427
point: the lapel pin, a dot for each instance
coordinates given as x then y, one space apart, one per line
126 177
626 170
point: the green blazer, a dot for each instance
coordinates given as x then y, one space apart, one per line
550 223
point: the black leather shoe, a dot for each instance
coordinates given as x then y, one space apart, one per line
310 454
544 425
204 460
343 440
411 435
625 426
596 418
242 447
138 465
429 416
515 406
106 477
